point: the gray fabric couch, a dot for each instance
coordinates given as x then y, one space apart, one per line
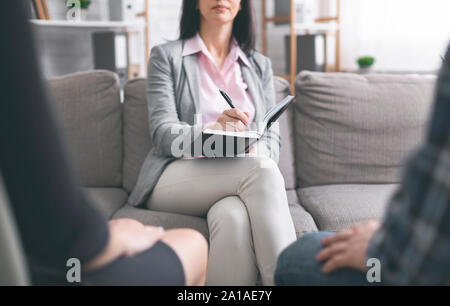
344 143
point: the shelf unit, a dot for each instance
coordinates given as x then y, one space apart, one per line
145 15
87 24
329 25
132 27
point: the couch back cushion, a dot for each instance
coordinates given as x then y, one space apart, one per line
353 128
89 109
286 162
137 141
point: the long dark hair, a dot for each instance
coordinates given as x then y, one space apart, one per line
243 26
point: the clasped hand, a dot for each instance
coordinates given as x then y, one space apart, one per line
348 248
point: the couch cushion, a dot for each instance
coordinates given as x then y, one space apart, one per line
166 220
286 162
107 200
137 141
303 221
353 128
88 105
336 207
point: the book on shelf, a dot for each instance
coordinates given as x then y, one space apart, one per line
39 10
45 8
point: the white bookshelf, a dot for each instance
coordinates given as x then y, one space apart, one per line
133 19
303 17
87 24
302 28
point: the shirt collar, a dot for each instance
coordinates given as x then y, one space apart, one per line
195 44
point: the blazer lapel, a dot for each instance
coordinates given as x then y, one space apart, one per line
255 90
190 65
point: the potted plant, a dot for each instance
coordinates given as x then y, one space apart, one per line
365 63
84 5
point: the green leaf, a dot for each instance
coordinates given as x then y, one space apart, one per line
84 4
365 61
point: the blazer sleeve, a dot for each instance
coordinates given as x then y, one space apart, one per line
170 136
270 143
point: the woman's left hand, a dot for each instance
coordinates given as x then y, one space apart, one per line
127 237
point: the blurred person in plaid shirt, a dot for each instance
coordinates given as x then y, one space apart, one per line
411 244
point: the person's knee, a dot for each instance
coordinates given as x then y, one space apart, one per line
299 259
263 162
192 250
305 246
229 213
200 245
266 172
196 238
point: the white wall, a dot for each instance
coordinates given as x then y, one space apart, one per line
164 20
403 35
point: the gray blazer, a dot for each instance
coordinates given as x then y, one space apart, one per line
173 98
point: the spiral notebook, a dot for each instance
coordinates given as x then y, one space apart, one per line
220 143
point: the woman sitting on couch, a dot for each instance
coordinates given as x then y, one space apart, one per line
244 199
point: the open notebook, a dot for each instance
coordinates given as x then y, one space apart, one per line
221 143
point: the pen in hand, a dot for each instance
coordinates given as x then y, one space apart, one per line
227 98
234 112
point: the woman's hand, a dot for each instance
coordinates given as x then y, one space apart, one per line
128 237
134 237
232 119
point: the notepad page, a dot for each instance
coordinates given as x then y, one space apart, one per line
243 134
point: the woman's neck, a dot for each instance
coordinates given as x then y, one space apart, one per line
216 38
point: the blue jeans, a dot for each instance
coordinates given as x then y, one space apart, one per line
297 266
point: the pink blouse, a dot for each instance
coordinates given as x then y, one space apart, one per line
229 79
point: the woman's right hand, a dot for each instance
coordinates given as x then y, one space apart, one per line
127 237
232 119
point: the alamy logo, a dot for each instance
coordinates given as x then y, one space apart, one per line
188 142
73 275
373 275
74 13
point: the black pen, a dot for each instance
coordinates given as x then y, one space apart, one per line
227 98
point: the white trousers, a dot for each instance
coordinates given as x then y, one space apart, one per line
245 202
